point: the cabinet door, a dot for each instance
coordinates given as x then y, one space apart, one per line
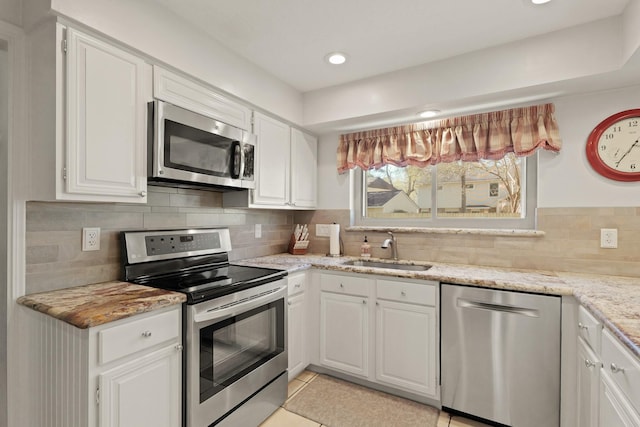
344 333
143 393
304 169
273 161
588 382
106 94
406 346
183 92
615 410
297 336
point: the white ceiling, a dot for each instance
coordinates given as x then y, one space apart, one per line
289 38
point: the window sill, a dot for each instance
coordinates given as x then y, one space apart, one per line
469 231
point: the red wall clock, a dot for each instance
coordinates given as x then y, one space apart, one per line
613 147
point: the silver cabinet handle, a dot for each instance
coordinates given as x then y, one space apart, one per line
143 194
589 364
582 326
288 302
615 368
179 347
403 293
341 285
146 334
298 285
364 301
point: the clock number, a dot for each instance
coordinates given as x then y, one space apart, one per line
617 128
609 136
603 148
633 123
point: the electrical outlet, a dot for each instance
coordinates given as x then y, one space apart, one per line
91 239
322 230
257 231
609 238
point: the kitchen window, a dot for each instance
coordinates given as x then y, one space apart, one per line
484 194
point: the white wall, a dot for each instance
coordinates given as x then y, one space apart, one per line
564 180
11 11
150 28
4 136
333 189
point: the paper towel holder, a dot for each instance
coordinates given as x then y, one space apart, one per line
340 244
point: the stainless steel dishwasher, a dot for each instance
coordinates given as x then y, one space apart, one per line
500 355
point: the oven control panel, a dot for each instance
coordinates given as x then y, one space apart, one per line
143 246
173 244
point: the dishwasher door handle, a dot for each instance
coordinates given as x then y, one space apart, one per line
529 312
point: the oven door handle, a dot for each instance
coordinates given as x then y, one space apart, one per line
239 307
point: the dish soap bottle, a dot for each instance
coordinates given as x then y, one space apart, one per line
365 249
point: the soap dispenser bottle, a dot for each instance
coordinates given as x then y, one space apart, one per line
365 249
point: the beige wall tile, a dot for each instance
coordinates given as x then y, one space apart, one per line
571 242
54 258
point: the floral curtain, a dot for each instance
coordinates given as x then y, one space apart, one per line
467 138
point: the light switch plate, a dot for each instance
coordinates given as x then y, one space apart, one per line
322 230
257 231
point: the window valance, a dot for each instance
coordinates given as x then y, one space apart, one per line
467 138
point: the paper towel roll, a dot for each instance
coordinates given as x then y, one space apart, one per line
334 239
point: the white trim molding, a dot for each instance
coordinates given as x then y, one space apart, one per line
17 184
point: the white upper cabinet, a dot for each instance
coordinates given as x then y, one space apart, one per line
273 161
304 169
88 109
106 96
186 93
286 168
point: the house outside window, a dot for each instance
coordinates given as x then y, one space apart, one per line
483 194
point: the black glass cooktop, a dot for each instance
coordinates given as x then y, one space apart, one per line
201 285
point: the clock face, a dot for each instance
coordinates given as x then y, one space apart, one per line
613 148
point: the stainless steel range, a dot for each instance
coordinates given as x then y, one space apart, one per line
234 323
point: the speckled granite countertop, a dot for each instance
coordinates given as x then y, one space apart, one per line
93 305
614 300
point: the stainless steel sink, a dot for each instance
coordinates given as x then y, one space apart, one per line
391 265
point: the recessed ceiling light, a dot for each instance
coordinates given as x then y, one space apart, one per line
336 58
428 113
540 1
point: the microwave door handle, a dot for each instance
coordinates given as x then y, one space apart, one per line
236 159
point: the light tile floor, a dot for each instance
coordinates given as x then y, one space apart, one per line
284 418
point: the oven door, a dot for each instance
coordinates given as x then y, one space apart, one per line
236 346
192 148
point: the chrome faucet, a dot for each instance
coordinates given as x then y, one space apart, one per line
393 243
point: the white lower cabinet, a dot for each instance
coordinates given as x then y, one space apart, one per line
127 373
406 346
344 333
383 331
615 409
297 325
619 385
588 379
145 392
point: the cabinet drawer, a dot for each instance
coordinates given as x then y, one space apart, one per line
296 283
414 293
133 336
590 329
346 284
622 367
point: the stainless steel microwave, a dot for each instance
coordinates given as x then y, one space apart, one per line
189 149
